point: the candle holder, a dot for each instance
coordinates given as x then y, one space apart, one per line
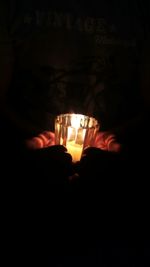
75 132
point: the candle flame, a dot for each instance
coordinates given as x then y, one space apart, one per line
76 120
76 131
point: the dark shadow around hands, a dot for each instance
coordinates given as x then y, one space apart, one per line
53 162
95 162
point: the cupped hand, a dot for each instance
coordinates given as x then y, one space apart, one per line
43 140
48 157
106 141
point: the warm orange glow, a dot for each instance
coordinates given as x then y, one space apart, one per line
75 131
75 137
76 120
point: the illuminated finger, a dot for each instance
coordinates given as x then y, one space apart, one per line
34 143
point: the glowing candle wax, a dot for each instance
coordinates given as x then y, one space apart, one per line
75 150
75 138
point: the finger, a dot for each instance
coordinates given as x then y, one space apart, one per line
50 143
34 143
49 134
48 138
99 141
57 148
44 139
57 153
109 138
107 141
90 151
51 138
114 147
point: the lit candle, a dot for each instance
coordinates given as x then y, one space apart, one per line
75 138
75 150
75 132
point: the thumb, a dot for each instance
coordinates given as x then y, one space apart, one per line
114 146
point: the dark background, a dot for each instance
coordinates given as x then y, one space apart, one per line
100 219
